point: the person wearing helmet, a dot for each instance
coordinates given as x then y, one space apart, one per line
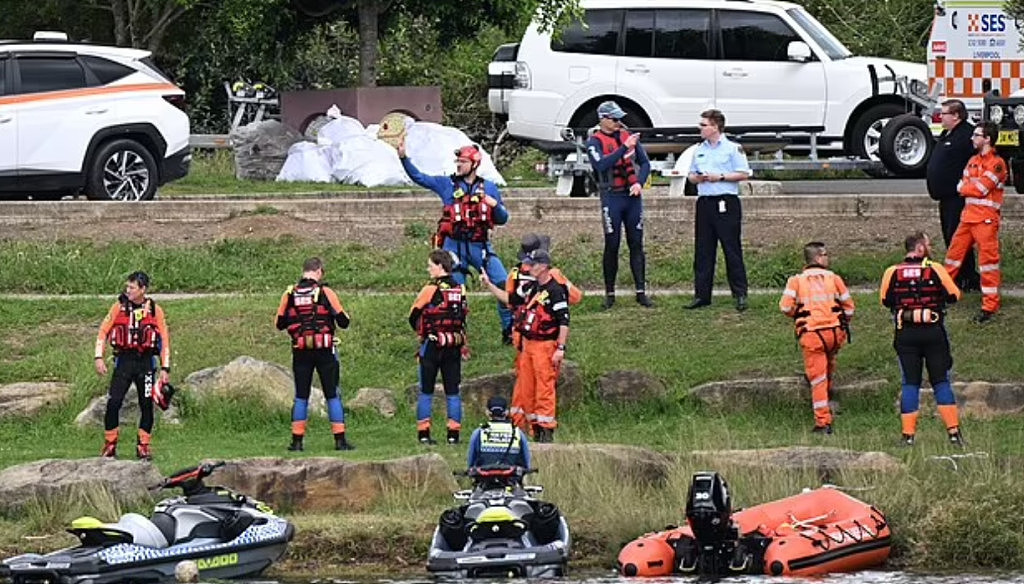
498 442
621 168
472 208
136 330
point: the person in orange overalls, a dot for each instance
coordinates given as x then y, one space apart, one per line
982 190
917 290
136 329
521 279
820 304
438 315
544 330
311 313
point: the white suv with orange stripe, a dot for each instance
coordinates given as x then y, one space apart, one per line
78 118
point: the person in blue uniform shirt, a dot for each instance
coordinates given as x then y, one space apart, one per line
718 166
498 442
472 208
621 168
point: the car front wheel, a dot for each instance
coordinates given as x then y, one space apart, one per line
122 170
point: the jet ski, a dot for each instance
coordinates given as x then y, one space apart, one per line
500 530
226 535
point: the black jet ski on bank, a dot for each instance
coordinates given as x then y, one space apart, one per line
225 534
501 530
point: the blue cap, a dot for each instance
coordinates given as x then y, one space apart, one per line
497 406
610 109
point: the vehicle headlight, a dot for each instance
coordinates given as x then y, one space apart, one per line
1018 115
995 114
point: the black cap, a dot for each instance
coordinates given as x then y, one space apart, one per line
497 406
532 241
538 256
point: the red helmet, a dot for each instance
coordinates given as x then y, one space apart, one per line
470 153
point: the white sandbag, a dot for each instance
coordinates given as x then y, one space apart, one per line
307 162
432 149
367 161
340 129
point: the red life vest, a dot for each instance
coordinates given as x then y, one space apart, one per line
917 293
311 322
135 328
623 174
468 218
445 316
528 285
537 322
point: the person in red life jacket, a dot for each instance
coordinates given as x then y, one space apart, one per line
821 307
917 291
137 331
544 326
439 318
982 190
621 168
311 313
472 207
522 282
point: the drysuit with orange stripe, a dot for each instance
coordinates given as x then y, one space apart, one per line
438 315
520 282
821 306
310 311
982 190
917 291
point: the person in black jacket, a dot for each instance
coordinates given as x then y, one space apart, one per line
945 168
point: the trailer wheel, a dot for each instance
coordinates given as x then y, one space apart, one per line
583 185
905 145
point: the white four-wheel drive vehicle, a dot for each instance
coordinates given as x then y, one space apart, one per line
86 118
765 64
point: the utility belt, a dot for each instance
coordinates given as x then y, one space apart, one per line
917 317
540 336
310 341
447 339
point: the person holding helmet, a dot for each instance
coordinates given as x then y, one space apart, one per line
621 168
439 317
498 442
521 281
136 329
311 312
472 207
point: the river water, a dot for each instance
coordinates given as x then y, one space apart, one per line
598 577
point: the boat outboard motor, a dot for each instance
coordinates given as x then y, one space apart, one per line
709 515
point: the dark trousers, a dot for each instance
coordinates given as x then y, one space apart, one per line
618 210
719 218
949 216
447 361
923 344
324 362
131 368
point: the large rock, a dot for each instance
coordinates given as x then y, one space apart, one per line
261 149
823 459
476 391
743 393
96 480
25 399
247 378
332 484
629 387
980 399
379 400
93 413
624 463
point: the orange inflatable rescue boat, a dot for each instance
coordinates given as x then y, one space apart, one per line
813 533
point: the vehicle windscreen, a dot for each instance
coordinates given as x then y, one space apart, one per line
830 44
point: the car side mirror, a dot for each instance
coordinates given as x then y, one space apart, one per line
798 51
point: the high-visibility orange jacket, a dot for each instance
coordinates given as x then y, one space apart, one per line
982 187
816 299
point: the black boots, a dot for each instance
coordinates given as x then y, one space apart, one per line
453 436
543 435
296 445
424 438
340 443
